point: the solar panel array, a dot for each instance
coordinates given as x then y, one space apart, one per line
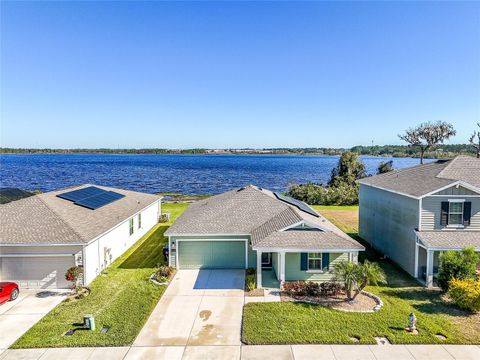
91 197
297 203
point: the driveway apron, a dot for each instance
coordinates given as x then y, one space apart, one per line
199 307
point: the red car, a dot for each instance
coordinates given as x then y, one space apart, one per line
8 291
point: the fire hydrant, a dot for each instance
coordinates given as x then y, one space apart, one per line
412 323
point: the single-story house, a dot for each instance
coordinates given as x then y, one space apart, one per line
254 227
412 215
90 226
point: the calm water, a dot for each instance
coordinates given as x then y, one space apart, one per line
189 174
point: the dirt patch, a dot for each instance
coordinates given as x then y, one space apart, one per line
362 302
255 292
205 314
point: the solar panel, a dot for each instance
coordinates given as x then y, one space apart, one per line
297 203
80 194
97 201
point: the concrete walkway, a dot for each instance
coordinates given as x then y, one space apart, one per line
244 352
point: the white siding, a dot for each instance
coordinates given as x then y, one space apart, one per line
103 251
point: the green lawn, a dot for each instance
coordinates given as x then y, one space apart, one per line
297 323
122 298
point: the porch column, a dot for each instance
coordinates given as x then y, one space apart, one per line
415 271
282 266
259 269
429 271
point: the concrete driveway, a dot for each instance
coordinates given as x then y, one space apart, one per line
199 307
17 316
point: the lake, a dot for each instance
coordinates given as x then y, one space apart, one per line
188 174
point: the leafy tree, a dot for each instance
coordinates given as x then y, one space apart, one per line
348 170
428 134
356 277
475 141
457 265
385 167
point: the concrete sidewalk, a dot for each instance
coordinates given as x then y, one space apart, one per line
245 352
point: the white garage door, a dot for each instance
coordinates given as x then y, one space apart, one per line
36 272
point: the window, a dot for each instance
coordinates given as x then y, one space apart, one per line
455 213
139 221
315 261
130 222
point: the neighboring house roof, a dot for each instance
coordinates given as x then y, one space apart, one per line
48 219
256 212
421 180
449 239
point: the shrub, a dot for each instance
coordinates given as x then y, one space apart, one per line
330 288
294 288
251 271
312 289
465 293
250 283
163 273
73 274
317 194
458 265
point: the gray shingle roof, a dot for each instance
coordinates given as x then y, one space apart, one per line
308 239
47 219
255 212
450 239
423 179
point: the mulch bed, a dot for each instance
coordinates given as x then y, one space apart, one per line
362 302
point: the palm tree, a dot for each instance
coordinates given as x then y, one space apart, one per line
357 276
347 273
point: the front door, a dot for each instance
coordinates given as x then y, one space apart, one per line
266 260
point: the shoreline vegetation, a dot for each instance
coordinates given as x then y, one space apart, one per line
441 151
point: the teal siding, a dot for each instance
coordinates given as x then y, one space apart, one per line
293 272
211 254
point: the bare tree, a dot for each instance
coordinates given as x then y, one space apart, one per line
475 141
428 134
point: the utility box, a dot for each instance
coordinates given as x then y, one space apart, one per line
89 321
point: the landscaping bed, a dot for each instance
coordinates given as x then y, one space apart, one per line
362 303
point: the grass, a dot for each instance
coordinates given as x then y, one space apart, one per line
298 323
122 298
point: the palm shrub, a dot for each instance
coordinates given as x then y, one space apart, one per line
356 277
458 265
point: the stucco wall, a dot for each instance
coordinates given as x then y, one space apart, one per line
387 221
118 240
293 270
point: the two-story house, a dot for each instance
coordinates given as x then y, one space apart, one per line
412 215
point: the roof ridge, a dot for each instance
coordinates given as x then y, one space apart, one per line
59 217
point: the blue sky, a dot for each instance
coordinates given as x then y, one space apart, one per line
213 74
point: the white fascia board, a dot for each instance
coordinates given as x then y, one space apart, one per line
393 191
290 250
231 234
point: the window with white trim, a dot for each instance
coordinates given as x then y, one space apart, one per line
315 261
139 220
130 223
455 213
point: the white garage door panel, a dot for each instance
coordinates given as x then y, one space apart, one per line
37 272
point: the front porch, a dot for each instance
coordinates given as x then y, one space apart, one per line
430 244
304 265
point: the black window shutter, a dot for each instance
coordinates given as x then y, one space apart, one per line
325 261
467 212
444 214
304 261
